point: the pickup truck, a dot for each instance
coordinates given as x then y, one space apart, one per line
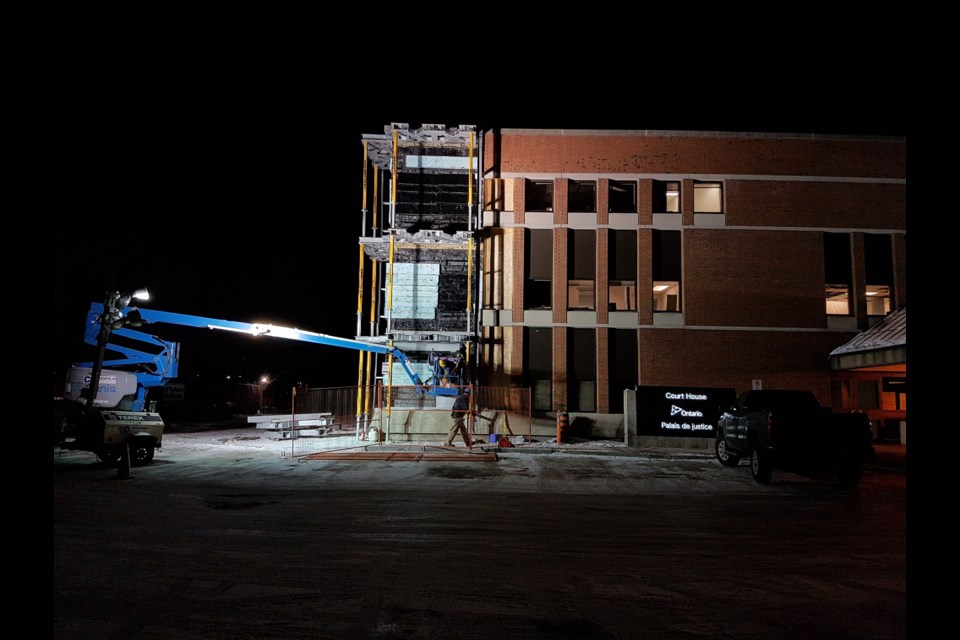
789 430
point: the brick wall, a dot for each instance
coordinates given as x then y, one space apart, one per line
753 278
578 153
814 204
735 358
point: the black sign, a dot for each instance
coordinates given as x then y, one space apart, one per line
688 412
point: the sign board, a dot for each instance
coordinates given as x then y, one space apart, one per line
689 412
173 392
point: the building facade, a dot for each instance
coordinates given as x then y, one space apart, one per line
580 264
612 259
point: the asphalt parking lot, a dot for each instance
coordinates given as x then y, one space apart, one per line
230 534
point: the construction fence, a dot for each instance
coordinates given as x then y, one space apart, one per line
332 418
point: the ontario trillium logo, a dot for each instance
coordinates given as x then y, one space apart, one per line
675 410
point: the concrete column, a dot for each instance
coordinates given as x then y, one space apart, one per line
630 417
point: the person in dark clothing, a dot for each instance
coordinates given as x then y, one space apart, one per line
460 407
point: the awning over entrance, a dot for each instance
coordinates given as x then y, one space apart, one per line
883 344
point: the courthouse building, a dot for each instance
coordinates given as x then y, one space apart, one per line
582 263
612 259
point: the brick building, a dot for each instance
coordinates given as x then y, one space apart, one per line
597 261
617 258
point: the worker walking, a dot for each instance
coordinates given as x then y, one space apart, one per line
459 414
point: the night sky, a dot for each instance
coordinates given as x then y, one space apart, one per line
214 157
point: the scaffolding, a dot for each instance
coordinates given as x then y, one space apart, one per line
418 259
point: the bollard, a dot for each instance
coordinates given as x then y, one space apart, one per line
563 424
123 467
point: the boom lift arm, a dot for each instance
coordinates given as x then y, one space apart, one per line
157 368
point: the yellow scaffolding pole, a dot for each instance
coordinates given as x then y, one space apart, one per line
469 241
363 208
374 267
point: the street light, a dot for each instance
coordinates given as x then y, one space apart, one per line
261 385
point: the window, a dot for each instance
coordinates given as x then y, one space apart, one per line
622 361
838 299
539 195
878 300
708 197
666 270
538 365
622 270
582 370
666 197
878 257
581 269
666 295
538 261
622 197
837 273
582 196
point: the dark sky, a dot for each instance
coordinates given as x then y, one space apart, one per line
212 156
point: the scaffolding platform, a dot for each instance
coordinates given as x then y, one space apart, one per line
300 425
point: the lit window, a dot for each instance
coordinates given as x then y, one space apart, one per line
580 294
878 300
622 295
708 197
581 269
666 295
878 254
837 270
838 299
666 197
667 270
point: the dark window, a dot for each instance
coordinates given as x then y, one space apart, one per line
582 370
539 195
622 358
622 197
622 269
582 196
538 284
538 365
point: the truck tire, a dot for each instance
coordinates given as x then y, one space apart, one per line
109 455
724 455
761 465
141 452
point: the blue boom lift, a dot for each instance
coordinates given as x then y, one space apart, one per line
116 414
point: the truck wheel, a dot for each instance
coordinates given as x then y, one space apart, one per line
761 466
724 455
109 455
141 453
